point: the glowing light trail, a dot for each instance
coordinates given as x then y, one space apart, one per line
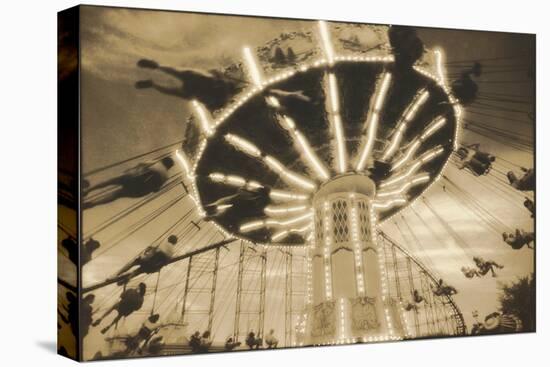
419 179
252 67
283 210
424 158
311 159
439 65
274 223
281 195
331 86
432 128
204 119
233 180
409 114
284 233
243 145
374 115
288 176
327 44
389 203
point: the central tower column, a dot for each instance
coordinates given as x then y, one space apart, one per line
347 298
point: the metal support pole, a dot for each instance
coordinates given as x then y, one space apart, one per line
411 286
437 311
239 292
213 289
186 289
288 299
156 291
434 315
396 272
261 317
383 246
428 299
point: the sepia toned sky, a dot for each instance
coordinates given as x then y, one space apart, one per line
120 121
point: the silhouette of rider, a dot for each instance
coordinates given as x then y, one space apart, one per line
271 340
141 180
475 160
211 88
519 239
130 301
530 205
443 289
231 344
485 266
72 310
252 341
88 248
526 182
150 260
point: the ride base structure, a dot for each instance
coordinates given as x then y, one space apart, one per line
348 298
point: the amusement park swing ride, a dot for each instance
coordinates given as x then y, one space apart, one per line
309 177
355 174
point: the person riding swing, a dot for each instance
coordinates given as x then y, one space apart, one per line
133 341
485 266
478 162
417 298
271 340
526 182
519 239
130 301
252 341
138 181
443 289
150 260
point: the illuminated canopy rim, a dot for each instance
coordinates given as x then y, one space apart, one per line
253 119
